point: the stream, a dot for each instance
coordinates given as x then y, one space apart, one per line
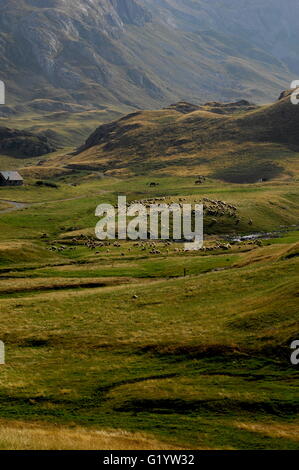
262 235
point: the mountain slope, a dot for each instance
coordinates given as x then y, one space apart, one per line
22 144
141 53
246 144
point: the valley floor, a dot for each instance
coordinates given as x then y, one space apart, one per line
117 347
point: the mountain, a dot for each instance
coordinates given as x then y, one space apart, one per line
119 55
234 142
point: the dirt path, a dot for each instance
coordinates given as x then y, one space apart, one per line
15 206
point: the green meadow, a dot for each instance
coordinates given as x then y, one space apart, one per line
190 349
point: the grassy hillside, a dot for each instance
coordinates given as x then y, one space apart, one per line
154 348
234 143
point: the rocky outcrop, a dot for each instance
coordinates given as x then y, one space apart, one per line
184 107
214 107
229 108
23 144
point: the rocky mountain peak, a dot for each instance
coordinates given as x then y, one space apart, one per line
146 53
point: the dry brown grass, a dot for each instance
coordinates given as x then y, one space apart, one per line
4 206
10 286
16 435
268 253
19 251
285 431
